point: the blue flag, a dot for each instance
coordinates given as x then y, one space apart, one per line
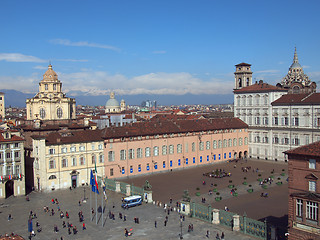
93 183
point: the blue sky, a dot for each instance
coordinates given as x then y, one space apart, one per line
154 47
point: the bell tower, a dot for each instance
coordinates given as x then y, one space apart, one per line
243 75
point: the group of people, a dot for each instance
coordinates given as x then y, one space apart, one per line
218 173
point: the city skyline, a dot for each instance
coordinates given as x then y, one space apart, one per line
157 48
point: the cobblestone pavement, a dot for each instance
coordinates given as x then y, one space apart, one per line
112 229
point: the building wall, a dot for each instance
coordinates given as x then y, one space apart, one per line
302 227
117 168
2 106
13 162
43 154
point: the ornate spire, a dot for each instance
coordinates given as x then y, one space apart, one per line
295 57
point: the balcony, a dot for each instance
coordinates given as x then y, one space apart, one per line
12 177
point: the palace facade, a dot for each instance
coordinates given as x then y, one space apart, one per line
156 146
280 117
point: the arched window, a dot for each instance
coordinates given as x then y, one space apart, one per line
214 144
155 151
52 177
59 112
240 82
219 144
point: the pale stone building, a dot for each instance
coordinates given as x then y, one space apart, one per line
50 103
113 106
12 179
2 106
167 145
279 121
64 159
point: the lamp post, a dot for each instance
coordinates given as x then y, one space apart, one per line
84 193
181 237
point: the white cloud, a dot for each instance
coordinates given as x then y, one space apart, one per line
268 71
159 52
67 42
18 57
94 83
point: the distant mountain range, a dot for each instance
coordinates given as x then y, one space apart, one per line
15 98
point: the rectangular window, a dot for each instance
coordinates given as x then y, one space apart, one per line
299 207
9 170
81 148
131 169
101 158
93 159
16 145
187 161
155 151
64 150
8 155
193 160
312 186
214 157
17 169
111 171
51 151
74 161
201 146
82 161
171 149
276 121
72 149
139 168
193 146
312 163
148 167
111 156
123 154
131 153
207 158
122 170
52 164
296 121
170 163
179 148
64 163
207 145
179 162
147 152
164 150
164 164
200 158
139 153
17 154
312 211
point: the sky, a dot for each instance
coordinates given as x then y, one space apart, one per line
154 47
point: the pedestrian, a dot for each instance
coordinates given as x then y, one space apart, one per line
9 217
218 237
155 224
222 236
191 227
126 232
208 233
165 223
83 226
124 218
79 203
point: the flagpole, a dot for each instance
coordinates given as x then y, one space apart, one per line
102 209
96 208
90 204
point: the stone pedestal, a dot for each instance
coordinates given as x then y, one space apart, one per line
118 187
215 216
236 223
147 196
128 190
185 208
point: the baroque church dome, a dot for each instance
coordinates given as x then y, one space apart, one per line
112 105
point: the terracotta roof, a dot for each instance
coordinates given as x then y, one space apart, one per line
12 139
298 99
312 150
58 138
169 126
259 87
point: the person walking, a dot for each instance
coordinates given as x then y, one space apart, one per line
222 236
155 224
208 233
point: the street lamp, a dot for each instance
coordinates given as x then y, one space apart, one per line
181 237
84 193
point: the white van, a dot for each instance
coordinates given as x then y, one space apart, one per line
131 201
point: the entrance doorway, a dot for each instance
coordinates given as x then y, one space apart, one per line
74 181
9 188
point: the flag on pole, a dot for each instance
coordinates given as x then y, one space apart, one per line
104 190
93 183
